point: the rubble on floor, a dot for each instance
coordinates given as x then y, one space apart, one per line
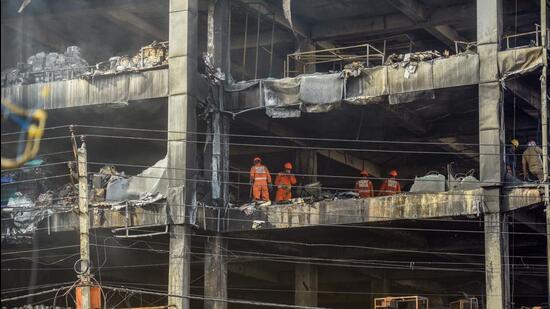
26 205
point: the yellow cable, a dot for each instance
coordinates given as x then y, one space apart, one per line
34 133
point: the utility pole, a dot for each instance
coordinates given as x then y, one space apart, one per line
544 124
85 301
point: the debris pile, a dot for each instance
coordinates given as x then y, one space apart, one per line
27 200
405 59
353 69
410 61
47 67
150 56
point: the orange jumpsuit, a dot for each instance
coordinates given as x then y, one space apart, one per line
390 186
364 188
260 178
284 183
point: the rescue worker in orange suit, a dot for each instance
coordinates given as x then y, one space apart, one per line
284 182
260 179
364 186
390 186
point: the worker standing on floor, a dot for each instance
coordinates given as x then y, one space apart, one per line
284 182
364 186
260 179
391 185
532 161
511 157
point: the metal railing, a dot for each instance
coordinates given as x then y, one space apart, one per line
363 52
462 46
535 35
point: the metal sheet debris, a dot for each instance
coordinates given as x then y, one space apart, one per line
404 79
519 61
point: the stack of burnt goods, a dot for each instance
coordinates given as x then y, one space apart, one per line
150 56
47 67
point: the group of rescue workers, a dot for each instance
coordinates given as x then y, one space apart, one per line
260 181
260 178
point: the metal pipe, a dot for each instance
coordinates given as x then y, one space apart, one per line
384 53
271 48
257 45
244 49
544 122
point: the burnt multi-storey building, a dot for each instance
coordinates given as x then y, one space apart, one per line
436 88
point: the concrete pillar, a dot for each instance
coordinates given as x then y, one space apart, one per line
491 136
218 50
215 273
179 274
182 73
306 163
305 285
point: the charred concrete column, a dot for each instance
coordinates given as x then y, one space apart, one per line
305 285
306 163
215 273
182 73
491 135
218 51
215 264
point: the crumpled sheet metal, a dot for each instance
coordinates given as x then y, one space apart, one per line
321 93
373 85
421 79
519 61
243 95
281 97
311 93
112 89
369 87
458 70
281 92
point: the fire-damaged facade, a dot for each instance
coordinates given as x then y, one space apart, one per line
276 153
